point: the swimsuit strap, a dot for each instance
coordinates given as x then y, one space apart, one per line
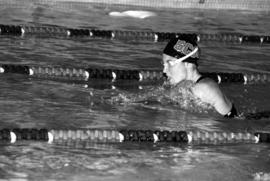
199 79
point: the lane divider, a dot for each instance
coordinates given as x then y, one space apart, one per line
114 75
121 136
21 30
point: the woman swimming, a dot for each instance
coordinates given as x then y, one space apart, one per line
180 62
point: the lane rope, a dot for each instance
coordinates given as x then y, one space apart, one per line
121 136
114 75
22 30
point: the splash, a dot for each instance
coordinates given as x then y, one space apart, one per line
180 95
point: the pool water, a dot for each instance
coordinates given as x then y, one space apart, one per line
39 103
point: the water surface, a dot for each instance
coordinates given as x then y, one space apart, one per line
39 103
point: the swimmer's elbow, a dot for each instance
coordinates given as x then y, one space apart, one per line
232 113
225 108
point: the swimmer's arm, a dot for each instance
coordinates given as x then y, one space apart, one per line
211 93
222 104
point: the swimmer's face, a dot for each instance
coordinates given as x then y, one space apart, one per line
175 72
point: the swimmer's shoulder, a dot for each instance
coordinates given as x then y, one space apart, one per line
206 83
207 89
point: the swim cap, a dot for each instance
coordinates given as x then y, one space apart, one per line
183 48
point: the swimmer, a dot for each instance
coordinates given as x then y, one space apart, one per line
180 61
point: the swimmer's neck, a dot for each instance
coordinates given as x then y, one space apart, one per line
193 75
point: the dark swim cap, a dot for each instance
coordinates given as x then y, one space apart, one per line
180 47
